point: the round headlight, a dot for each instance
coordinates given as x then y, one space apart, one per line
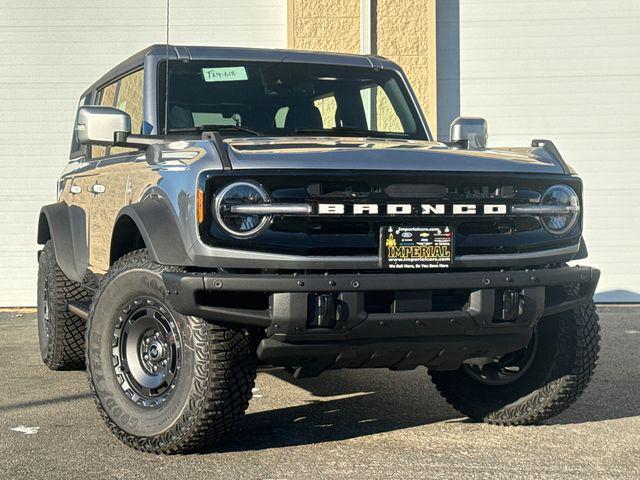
564 216
241 224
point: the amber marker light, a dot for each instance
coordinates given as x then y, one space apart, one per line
200 205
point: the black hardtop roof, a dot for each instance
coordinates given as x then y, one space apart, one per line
178 52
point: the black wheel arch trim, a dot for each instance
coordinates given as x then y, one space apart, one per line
66 226
154 218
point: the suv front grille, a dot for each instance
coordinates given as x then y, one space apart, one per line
359 235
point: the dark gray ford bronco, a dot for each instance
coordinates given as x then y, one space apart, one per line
230 208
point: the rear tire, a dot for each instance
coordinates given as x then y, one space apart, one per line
562 365
205 372
61 333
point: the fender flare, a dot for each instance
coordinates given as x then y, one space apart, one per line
159 229
66 226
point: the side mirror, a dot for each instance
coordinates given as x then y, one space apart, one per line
98 125
469 130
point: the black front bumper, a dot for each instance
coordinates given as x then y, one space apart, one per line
411 332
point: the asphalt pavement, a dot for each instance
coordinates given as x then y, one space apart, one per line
347 424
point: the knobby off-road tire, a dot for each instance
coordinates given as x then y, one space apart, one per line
61 333
209 391
566 355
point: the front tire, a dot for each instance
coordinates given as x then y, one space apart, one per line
61 334
163 382
557 372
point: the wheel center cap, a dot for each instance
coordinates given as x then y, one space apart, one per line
156 351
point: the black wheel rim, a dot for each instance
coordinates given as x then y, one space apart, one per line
46 325
505 369
146 350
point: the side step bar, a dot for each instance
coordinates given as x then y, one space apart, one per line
80 309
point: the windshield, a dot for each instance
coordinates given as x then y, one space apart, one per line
277 99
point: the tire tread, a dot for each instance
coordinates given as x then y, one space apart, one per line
222 386
66 351
579 346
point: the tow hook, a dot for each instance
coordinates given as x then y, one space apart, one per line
325 312
512 305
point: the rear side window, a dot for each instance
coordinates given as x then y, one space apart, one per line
126 95
129 99
281 116
380 112
328 108
106 98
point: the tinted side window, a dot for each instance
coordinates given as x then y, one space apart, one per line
280 117
106 98
379 110
129 99
125 95
327 107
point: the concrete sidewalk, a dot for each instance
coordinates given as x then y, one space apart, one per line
348 424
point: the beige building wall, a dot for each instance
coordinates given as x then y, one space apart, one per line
324 25
406 34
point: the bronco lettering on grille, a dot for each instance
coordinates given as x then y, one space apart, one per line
409 209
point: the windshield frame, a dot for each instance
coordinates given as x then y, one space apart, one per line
422 131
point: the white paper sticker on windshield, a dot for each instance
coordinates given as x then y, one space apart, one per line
224 74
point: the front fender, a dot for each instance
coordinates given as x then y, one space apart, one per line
66 226
159 229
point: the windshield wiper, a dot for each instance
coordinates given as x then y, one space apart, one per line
214 128
232 128
351 131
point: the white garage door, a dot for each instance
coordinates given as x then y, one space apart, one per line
50 51
568 71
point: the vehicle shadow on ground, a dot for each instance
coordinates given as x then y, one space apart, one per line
44 402
368 402
371 402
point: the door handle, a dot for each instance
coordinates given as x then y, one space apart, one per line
97 188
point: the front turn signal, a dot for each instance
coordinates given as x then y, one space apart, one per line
200 205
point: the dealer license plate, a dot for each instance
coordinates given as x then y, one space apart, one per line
416 248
